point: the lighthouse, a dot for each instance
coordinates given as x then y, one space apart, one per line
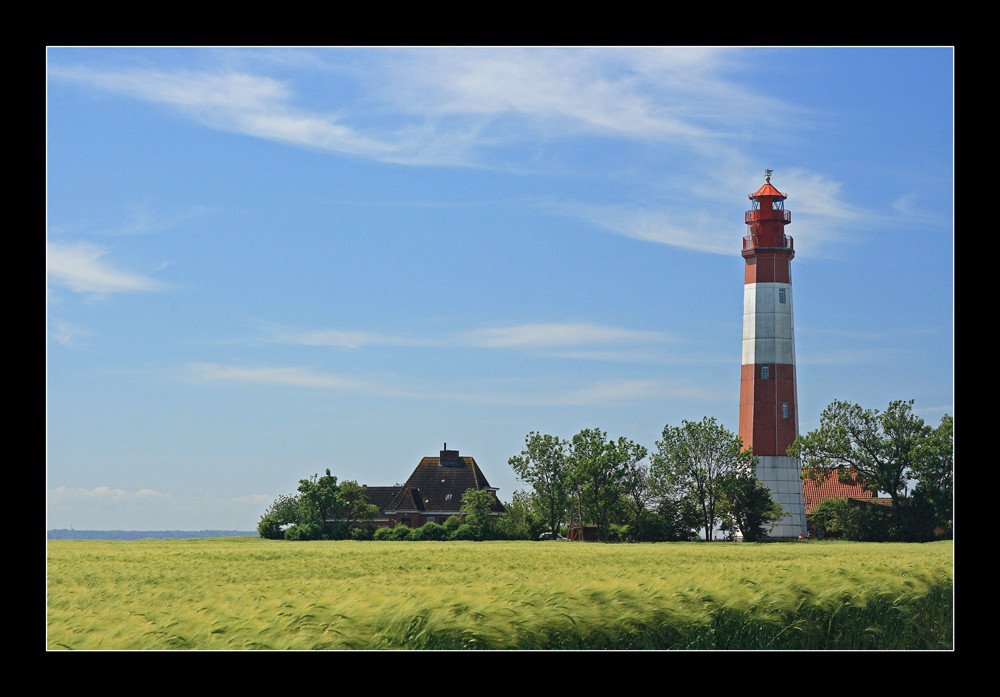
769 417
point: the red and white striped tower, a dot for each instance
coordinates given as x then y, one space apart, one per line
769 414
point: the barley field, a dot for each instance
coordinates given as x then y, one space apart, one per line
245 593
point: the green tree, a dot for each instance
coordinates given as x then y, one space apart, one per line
283 512
322 508
857 520
319 499
749 506
284 509
520 522
543 465
826 518
452 523
631 477
884 449
599 468
693 460
681 516
354 504
649 526
269 528
935 474
477 508
636 489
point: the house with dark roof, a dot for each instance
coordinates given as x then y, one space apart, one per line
433 492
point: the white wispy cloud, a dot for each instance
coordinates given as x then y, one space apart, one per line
67 334
911 209
601 392
543 335
820 213
819 199
656 93
445 105
82 267
231 100
588 90
103 494
499 107
292 375
526 336
145 218
659 226
337 338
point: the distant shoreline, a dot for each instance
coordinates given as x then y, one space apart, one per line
143 534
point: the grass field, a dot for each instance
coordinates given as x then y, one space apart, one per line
250 593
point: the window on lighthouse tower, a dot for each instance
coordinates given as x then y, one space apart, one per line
764 372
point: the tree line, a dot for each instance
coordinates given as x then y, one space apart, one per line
697 481
893 452
698 478
307 515
323 509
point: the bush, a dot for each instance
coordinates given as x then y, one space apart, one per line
513 528
336 531
428 531
616 532
270 528
465 532
362 532
304 531
868 522
649 526
400 532
383 534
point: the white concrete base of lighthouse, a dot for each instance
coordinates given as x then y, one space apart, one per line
781 474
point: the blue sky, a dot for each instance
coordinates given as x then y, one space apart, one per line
266 262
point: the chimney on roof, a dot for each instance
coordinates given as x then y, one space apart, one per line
449 457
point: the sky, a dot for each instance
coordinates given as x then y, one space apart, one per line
265 262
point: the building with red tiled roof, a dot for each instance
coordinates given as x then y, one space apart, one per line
433 492
844 486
